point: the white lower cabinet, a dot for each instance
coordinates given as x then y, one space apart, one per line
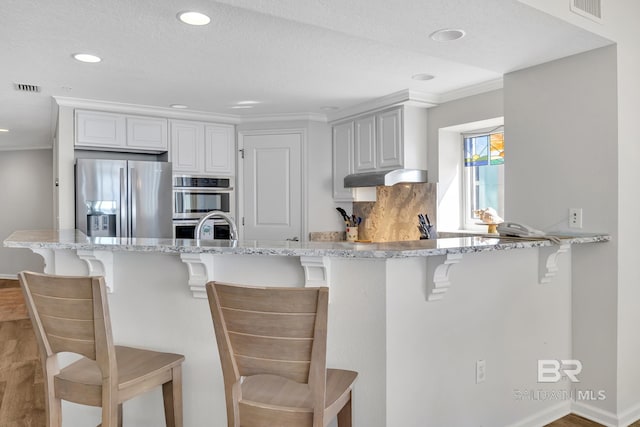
202 148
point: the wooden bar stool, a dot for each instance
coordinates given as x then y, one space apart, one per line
272 344
70 314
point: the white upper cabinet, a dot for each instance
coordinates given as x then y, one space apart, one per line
342 160
202 148
187 146
120 132
365 144
147 133
379 142
389 139
219 150
100 130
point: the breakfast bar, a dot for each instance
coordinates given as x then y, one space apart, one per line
411 317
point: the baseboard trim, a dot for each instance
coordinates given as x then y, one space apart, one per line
629 416
545 416
606 418
9 276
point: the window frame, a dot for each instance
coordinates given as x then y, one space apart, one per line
467 220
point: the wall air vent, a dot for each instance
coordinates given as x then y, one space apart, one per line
591 9
22 87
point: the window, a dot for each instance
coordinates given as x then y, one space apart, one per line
483 174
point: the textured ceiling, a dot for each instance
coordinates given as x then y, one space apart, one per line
294 56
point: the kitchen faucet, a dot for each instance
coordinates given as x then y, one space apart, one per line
233 232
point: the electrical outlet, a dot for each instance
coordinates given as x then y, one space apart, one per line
481 371
575 217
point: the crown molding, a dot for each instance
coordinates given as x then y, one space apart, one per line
310 117
466 91
422 99
145 110
406 96
35 147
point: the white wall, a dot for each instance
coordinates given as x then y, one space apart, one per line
495 310
620 24
628 208
63 151
26 196
561 124
487 105
444 148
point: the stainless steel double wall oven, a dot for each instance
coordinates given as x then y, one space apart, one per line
193 197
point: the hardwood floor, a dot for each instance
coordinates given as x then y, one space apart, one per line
21 387
11 303
577 421
573 420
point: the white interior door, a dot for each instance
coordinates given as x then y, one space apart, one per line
272 190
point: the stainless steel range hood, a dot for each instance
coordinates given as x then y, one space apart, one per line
373 179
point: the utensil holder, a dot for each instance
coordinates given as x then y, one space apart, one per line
352 234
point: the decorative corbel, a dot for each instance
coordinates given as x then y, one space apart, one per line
439 267
548 261
100 263
200 267
49 257
316 270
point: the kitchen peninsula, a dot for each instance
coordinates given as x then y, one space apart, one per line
397 312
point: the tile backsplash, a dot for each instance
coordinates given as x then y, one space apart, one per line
394 214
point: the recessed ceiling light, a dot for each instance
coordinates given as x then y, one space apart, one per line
422 76
447 35
4 130
179 106
194 18
248 102
86 57
241 107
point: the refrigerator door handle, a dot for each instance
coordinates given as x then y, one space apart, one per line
124 229
133 195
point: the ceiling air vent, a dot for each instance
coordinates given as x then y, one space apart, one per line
22 87
591 9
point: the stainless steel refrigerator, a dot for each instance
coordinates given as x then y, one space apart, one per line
124 198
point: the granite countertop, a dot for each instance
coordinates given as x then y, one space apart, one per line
76 240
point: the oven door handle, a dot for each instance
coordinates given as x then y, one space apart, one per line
203 189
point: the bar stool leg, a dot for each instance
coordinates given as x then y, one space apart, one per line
172 396
344 416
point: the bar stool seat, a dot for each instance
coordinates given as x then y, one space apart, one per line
281 392
71 314
138 371
272 343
